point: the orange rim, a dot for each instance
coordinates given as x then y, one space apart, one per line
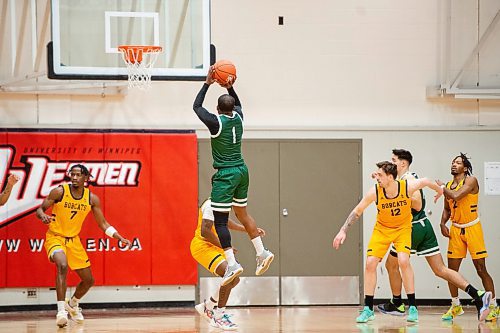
134 53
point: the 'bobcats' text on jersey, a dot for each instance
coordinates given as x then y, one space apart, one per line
396 212
69 213
464 210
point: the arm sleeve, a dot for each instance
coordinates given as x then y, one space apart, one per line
209 119
237 103
207 212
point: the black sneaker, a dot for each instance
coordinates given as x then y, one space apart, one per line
390 308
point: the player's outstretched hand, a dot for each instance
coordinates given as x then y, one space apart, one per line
12 180
441 191
126 242
229 83
46 219
339 239
210 76
262 232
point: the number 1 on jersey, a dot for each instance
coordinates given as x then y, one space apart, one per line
234 135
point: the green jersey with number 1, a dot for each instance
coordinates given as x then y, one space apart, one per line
226 144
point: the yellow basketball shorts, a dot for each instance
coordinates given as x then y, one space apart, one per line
382 238
207 254
71 246
470 238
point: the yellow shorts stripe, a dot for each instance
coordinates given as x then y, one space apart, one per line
207 254
382 238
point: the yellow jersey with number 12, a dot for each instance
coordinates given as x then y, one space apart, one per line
69 213
394 212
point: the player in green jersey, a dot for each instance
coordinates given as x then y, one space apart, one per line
230 182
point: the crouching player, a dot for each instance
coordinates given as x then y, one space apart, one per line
206 250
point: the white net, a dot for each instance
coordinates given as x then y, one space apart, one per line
140 61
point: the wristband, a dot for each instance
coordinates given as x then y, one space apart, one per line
110 231
442 186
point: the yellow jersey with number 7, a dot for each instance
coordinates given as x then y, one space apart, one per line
70 212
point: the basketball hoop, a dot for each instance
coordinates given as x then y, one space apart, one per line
140 60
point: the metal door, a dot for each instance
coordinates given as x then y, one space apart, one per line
300 193
320 183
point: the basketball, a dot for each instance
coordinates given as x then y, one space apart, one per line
224 72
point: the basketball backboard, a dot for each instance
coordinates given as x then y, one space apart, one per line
86 35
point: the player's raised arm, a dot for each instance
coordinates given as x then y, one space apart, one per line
11 181
101 221
417 184
209 119
470 186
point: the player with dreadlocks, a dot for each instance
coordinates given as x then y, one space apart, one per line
461 207
70 205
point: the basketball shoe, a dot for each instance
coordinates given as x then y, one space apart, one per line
224 322
366 315
453 311
390 308
412 314
483 305
232 272
494 313
264 261
62 318
204 311
75 312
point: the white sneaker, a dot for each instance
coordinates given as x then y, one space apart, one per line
204 311
75 312
232 272
224 323
264 261
62 318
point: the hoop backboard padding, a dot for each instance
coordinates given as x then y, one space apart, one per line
140 60
86 35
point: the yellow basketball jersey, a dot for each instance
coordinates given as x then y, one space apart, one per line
464 210
394 213
69 213
205 206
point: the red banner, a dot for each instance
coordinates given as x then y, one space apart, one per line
147 184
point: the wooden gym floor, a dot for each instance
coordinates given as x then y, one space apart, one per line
253 319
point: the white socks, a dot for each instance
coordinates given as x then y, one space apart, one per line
257 243
60 306
230 257
74 301
211 304
455 301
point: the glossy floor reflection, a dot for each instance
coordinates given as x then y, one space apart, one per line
263 319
